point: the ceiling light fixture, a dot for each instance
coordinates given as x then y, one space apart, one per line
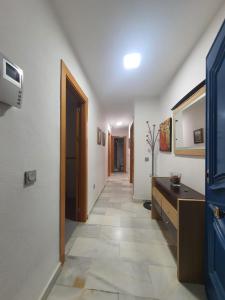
119 123
132 61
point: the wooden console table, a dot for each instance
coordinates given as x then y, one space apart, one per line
184 209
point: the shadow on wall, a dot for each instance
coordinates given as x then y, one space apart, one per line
3 108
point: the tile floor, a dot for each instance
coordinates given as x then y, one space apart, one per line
121 254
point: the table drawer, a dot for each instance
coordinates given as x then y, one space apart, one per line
157 196
170 211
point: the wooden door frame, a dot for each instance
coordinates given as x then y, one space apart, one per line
82 201
124 152
132 153
112 154
109 153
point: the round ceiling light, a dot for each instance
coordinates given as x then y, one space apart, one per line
132 61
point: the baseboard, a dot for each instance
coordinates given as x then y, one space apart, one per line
51 283
94 201
139 198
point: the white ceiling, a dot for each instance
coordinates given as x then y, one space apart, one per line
103 31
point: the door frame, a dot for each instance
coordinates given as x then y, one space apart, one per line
112 154
82 201
125 154
109 153
132 153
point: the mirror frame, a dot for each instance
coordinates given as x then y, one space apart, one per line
187 100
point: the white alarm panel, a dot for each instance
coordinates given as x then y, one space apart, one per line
11 82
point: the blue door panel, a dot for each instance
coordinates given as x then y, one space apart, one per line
219 243
220 122
215 167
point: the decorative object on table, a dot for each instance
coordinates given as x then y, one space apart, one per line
99 136
175 178
165 135
198 136
103 138
151 139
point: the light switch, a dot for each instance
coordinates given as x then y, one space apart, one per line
30 177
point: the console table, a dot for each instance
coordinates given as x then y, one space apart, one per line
184 210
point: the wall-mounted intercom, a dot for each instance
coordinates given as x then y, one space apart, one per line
11 82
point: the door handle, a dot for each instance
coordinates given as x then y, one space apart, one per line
207 175
218 212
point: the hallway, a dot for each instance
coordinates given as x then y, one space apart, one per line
121 254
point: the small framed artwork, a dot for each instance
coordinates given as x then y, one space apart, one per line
103 138
165 135
99 136
198 136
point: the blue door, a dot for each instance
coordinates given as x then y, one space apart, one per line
215 168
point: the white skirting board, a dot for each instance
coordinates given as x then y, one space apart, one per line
140 198
51 282
91 206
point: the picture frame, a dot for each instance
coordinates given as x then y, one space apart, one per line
99 136
103 138
198 136
165 136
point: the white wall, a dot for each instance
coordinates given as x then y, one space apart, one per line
190 74
30 139
144 110
121 132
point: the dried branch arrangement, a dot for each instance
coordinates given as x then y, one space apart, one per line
151 139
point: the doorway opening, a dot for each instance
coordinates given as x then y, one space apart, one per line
73 156
73 132
118 154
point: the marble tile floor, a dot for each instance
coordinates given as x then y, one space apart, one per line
120 253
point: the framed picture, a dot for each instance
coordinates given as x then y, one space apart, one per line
103 138
165 135
99 136
198 136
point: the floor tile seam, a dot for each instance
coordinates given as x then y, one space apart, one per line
129 260
149 263
86 289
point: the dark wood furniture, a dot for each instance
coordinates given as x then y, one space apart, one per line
184 209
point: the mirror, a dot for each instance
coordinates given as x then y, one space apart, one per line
189 125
